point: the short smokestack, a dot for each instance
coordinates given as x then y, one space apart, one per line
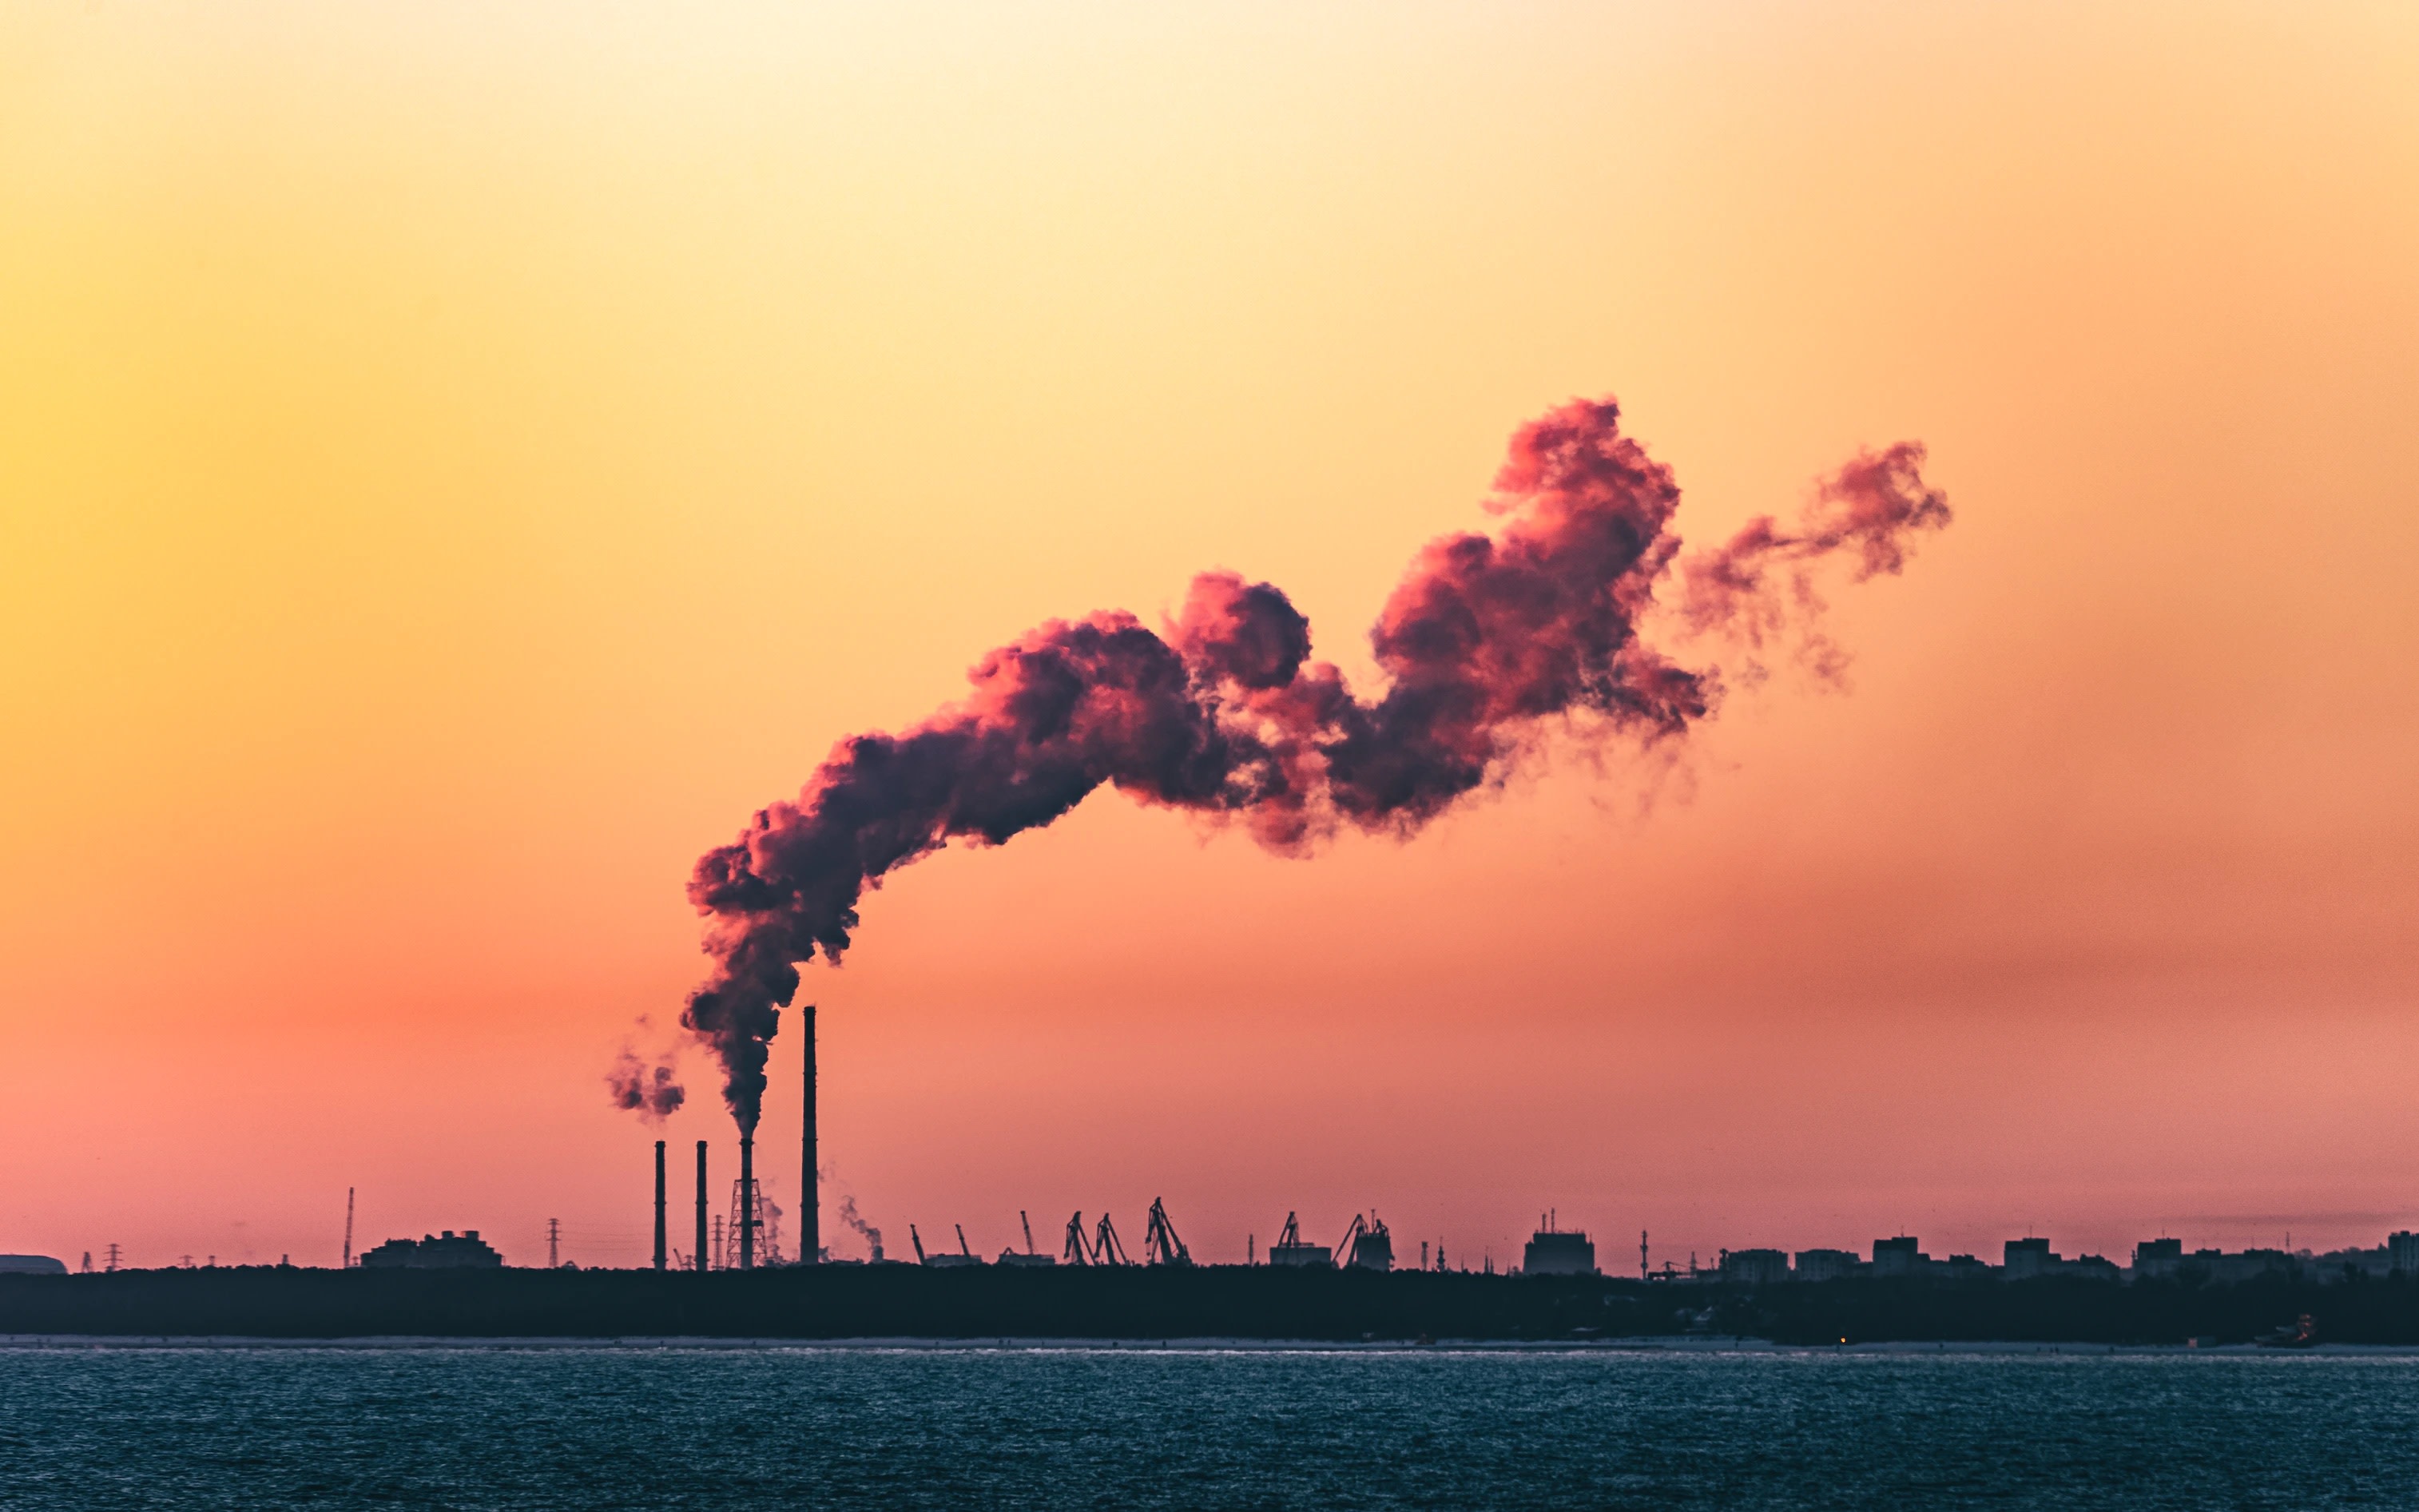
659 1205
747 1202
700 1205
811 1228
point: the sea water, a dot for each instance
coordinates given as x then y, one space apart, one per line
706 1426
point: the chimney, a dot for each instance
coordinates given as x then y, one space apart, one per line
659 1204
810 1237
747 1202
700 1205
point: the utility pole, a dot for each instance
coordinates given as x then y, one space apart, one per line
1641 1255
349 1228
553 1243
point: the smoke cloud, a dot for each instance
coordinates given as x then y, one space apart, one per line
848 1216
1489 642
646 1085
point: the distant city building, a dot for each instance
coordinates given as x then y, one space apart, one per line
2232 1270
1962 1268
1899 1257
2347 1264
1553 1253
1827 1264
1755 1267
2158 1259
448 1251
2402 1253
2030 1258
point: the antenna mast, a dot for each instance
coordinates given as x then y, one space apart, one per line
349 1231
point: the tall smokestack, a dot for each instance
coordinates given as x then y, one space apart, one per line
659 1205
747 1202
700 1205
810 1237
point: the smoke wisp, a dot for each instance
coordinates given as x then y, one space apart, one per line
848 1216
1489 642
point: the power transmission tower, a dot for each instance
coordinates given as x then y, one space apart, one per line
349 1228
553 1243
113 1259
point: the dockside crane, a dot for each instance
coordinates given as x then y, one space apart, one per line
1366 1245
1077 1251
1160 1245
1106 1248
1028 1229
915 1239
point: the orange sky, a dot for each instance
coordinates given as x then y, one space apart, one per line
455 466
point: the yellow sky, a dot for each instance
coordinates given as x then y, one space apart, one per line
455 466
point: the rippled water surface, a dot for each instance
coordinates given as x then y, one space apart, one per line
574 1426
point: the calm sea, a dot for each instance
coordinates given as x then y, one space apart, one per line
478 1425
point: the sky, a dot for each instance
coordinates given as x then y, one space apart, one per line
456 465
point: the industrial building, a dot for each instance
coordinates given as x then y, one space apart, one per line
1367 1244
31 1265
1553 1251
1291 1250
447 1251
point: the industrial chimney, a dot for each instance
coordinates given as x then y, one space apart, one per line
747 1202
659 1204
701 1251
810 1237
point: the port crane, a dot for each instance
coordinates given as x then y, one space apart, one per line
1368 1234
1160 1245
1106 1250
1102 1248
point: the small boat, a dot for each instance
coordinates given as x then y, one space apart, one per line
2298 1335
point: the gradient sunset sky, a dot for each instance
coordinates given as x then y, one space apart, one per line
457 462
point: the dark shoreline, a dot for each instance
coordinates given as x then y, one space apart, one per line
1246 1304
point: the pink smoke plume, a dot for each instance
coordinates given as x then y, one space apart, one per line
1487 642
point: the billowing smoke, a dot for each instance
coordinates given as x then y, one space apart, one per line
1489 642
653 1091
873 1235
